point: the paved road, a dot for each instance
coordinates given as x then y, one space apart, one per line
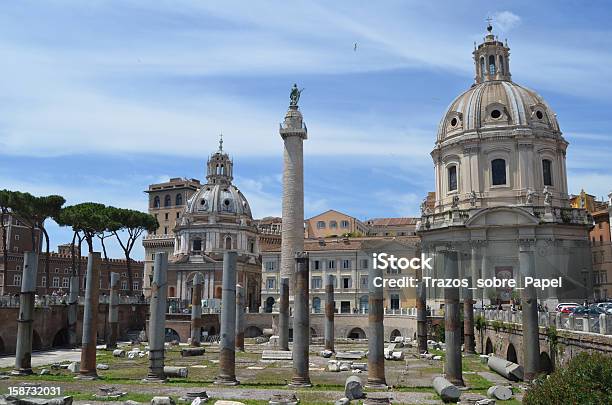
45 357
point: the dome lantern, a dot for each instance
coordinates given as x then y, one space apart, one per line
492 59
219 166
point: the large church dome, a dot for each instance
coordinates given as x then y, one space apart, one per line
496 104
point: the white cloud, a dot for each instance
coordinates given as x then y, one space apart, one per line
506 20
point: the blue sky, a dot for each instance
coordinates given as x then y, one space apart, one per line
100 98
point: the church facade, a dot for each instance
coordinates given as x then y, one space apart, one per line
501 187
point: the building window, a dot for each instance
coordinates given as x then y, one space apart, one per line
344 224
251 247
316 282
156 202
346 282
364 281
135 286
166 216
395 301
482 68
331 264
333 281
316 305
66 282
167 201
333 224
43 281
179 199
178 215
66 270
346 264
17 237
228 243
547 172
364 263
498 170
269 266
197 245
56 282
56 270
320 224
124 285
16 249
452 178
317 265
491 65
17 279
270 283
18 267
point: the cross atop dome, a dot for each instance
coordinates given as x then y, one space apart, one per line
221 142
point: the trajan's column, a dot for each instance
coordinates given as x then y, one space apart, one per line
293 131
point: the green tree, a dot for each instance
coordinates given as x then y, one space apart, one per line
87 219
131 224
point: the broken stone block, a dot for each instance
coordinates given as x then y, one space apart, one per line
333 366
176 372
377 399
276 355
284 399
447 391
102 366
500 392
192 351
224 402
162 401
397 355
342 401
132 355
353 388
484 358
345 366
359 366
508 369
142 354
130 402
45 371
485 401
352 355
326 353
436 358
74 367
118 353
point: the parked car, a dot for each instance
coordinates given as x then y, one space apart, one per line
592 310
564 304
604 305
568 309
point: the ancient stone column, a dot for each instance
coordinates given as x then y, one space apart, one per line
196 310
90 318
293 132
113 312
452 325
23 351
469 344
376 330
283 316
421 314
227 355
239 317
73 309
531 334
157 318
301 323
330 309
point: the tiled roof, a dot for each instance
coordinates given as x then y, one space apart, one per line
392 221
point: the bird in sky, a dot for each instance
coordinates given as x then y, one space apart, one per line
355 47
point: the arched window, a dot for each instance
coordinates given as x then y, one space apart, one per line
223 169
452 178
156 202
482 67
167 201
179 199
218 170
498 170
501 64
491 65
316 305
228 243
547 172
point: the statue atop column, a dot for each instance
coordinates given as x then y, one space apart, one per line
295 94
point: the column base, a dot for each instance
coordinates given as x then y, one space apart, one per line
377 384
22 371
456 381
226 381
87 377
300 382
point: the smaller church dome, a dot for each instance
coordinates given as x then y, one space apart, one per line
219 199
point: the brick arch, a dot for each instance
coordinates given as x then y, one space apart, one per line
394 333
171 335
546 364
511 354
37 343
252 331
489 346
356 333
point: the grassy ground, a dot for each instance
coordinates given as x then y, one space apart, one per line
414 375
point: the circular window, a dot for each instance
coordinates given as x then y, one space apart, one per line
539 114
495 114
226 202
454 122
